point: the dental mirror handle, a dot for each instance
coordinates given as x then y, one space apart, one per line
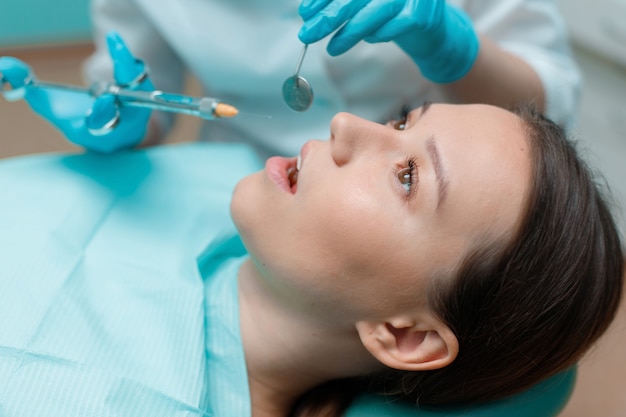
301 59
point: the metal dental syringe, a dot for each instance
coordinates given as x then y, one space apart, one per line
204 107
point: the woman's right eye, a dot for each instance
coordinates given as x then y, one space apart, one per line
404 176
408 177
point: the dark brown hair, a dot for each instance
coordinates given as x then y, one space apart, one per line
521 311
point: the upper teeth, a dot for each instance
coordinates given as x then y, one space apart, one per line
298 162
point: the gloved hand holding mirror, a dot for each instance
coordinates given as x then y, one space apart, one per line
438 37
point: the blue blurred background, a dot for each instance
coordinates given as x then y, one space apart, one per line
28 22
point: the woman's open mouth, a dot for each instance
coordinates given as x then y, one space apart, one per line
283 172
292 175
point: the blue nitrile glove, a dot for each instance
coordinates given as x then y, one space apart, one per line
78 115
438 37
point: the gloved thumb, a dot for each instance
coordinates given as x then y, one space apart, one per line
127 70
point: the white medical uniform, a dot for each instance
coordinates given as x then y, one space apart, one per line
242 51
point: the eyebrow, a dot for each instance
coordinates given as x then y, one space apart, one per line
441 174
440 169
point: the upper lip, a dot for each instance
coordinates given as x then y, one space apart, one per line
304 151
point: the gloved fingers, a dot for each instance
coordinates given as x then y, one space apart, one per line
308 8
428 15
57 105
15 74
329 19
128 71
106 114
392 29
103 116
416 16
50 103
110 127
365 22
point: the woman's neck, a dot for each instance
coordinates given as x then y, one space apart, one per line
287 352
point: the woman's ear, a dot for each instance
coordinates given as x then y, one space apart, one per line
409 344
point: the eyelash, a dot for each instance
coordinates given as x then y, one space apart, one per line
410 170
410 173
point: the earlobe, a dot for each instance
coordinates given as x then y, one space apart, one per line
408 344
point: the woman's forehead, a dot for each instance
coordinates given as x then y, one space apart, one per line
467 112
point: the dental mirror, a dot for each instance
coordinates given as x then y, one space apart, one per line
297 91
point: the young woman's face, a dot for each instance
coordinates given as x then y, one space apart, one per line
378 210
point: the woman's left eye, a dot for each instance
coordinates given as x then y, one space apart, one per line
400 122
408 176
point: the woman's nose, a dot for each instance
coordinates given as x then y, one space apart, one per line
351 135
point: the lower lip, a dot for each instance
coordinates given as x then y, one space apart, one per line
276 170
